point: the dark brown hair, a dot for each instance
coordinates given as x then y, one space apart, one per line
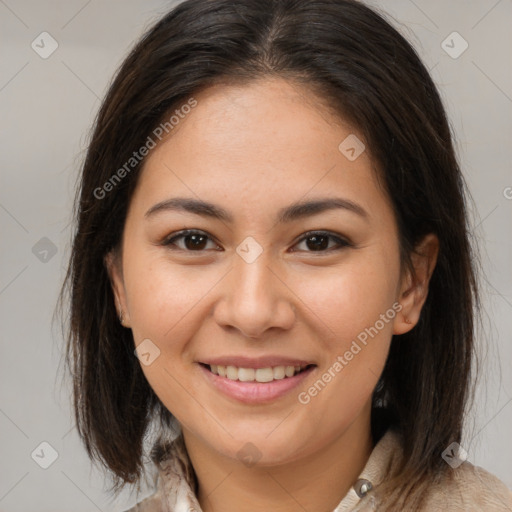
372 77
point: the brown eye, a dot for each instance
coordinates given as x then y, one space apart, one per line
319 242
193 241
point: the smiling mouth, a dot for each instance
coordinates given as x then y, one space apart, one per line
261 375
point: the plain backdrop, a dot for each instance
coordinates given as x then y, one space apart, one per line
47 107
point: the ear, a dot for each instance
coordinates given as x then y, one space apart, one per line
113 265
414 286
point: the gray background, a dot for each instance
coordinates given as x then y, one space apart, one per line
47 107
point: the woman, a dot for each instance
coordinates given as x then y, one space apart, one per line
272 269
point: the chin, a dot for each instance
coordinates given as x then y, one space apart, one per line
257 448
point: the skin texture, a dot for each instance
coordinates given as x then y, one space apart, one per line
253 150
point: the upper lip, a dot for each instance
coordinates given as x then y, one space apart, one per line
255 362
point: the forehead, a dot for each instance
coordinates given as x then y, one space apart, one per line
267 142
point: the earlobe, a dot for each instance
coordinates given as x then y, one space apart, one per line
414 291
116 281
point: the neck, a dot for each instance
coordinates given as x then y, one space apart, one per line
317 482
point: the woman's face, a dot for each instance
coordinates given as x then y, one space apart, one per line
252 289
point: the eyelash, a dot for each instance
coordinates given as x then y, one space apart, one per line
342 243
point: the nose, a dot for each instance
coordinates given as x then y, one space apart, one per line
255 298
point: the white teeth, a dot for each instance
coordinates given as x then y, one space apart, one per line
258 375
264 375
279 372
232 372
245 374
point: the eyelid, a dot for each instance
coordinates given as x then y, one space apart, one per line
342 241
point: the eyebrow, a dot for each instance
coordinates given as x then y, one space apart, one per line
290 213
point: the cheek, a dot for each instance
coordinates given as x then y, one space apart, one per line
161 295
349 299
353 320
164 303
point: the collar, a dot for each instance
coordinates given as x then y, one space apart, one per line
177 481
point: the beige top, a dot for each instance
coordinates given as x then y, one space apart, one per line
472 490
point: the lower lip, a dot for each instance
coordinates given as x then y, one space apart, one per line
256 392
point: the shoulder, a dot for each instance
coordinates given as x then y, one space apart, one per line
469 488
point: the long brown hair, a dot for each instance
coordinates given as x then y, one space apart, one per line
361 67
